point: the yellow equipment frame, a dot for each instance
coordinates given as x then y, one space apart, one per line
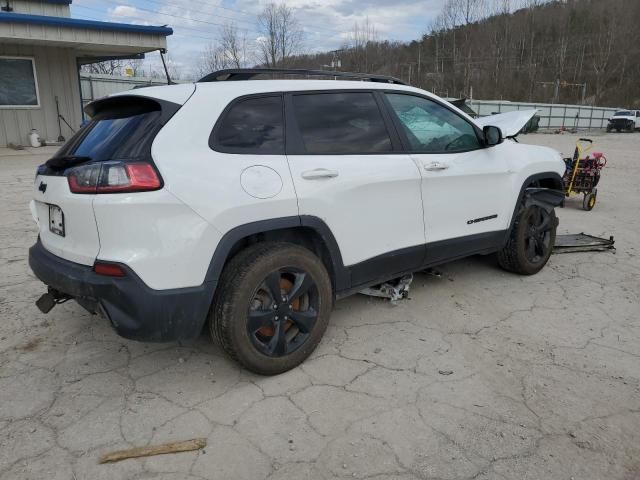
577 157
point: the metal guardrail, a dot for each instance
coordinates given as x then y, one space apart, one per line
552 116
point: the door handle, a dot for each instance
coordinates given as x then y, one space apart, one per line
435 166
319 173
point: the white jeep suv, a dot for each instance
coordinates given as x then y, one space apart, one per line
251 205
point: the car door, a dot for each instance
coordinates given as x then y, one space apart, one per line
465 186
348 170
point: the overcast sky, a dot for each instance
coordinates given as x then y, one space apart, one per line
326 23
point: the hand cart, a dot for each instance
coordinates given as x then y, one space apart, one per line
582 174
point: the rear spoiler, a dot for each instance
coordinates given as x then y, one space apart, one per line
128 105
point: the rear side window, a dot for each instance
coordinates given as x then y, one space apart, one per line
341 123
251 126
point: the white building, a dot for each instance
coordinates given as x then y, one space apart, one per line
41 50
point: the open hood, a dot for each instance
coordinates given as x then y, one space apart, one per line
510 123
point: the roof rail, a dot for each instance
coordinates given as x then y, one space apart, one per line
233 74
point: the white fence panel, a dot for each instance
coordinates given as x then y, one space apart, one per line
552 116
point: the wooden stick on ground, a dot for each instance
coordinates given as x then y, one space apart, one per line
174 447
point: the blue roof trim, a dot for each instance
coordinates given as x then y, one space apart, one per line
78 23
58 2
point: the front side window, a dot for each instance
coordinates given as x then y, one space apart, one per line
18 87
252 126
432 128
341 123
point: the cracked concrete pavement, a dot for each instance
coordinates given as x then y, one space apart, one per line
545 381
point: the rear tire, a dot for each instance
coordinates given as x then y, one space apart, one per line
530 241
271 307
589 200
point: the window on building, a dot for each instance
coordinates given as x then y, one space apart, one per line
18 85
252 126
341 123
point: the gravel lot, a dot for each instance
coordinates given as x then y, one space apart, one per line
480 374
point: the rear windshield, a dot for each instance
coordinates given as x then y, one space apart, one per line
115 137
117 132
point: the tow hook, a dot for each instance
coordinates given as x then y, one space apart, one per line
50 299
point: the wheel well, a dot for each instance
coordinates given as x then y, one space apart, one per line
554 183
304 236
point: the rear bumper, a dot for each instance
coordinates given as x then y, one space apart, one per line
134 310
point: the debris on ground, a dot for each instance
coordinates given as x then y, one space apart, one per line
173 447
433 272
445 372
394 290
581 242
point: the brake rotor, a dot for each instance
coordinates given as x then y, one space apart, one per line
285 286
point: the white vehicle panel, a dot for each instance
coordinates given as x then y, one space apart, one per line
371 203
459 189
80 243
164 241
528 160
211 182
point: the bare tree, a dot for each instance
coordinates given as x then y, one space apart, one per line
513 49
233 45
109 67
281 35
213 59
229 51
362 38
602 47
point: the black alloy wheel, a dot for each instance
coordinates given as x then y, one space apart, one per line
530 242
283 312
538 235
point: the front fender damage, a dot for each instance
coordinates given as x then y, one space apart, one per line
546 198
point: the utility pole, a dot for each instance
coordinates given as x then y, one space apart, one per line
419 60
410 65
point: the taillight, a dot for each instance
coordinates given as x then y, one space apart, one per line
113 177
109 269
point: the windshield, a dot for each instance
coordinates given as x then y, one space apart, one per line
623 113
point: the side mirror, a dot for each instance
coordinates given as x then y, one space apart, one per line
492 136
